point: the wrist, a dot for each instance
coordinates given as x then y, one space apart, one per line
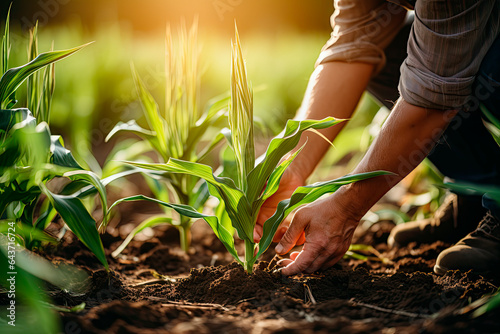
298 172
353 202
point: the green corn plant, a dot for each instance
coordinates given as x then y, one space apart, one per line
175 131
31 157
29 272
242 195
41 84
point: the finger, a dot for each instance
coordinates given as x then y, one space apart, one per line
292 234
257 232
293 255
284 262
303 260
332 262
282 229
264 214
299 265
318 262
302 239
280 233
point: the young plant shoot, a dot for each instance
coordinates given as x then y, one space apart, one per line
175 132
243 195
30 157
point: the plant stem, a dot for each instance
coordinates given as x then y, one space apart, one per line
249 256
185 233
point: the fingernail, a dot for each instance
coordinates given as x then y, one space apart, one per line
278 270
256 236
279 249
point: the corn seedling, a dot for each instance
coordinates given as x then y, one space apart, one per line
242 195
30 157
175 132
31 273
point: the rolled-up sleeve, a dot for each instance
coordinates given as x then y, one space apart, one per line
361 30
447 43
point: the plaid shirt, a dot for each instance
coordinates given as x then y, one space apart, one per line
447 43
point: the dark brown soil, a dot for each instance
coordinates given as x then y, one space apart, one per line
156 288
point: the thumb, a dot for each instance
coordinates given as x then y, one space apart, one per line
292 234
257 232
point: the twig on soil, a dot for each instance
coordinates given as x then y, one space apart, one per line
352 302
246 300
309 294
189 305
153 281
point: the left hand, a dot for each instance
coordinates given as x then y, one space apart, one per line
328 228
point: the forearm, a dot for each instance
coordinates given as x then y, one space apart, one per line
406 138
334 90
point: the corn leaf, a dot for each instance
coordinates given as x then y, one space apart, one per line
241 115
305 195
48 214
61 156
5 50
9 117
488 304
78 219
14 77
94 180
214 114
200 195
222 234
150 222
274 180
277 148
237 206
490 116
27 232
132 126
474 189
209 148
151 111
33 81
493 124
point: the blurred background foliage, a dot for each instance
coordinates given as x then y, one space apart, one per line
282 39
95 90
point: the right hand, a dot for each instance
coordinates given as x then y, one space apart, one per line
290 181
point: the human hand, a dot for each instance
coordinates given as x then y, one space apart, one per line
328 229
290 181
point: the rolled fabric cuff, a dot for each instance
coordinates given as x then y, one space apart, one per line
359 51
428 90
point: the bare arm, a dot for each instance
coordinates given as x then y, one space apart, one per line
334 90
406 138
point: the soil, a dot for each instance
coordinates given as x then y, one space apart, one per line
154 287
